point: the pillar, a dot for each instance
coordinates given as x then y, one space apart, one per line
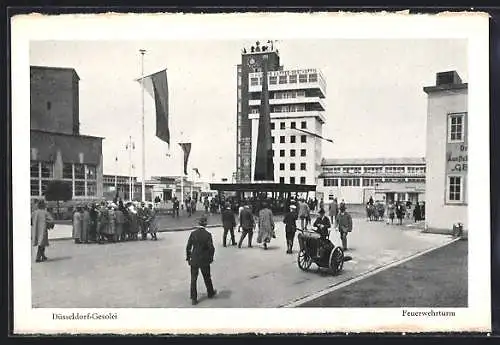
99 177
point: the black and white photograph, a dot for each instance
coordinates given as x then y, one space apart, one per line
203 170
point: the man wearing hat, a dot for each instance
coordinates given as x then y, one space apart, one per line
344 223
247 224
228 222
41 221
200 252
322 225
290 221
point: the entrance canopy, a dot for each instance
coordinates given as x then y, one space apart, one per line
262 187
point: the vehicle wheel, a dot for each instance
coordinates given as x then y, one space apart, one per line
336 261
304 261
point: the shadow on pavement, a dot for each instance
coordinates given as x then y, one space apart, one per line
222 294
60 258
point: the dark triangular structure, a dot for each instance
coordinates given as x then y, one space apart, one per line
264 167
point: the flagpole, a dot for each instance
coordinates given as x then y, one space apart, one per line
143 189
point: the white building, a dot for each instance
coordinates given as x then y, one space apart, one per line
297 103
385 179
446 155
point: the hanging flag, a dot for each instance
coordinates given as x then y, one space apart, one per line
264 166
186 147
197 172
157 86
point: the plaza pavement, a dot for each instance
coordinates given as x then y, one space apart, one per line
155 274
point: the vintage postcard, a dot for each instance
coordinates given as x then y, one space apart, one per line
263 173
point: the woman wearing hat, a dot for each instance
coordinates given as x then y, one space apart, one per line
266 225
290 221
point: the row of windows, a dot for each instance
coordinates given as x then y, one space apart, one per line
288 108
292 180
367 182
289 94
292 166
374 170
287 79
293 125
294 108
303 139
79 171
293 153
38 187
344 182
81 177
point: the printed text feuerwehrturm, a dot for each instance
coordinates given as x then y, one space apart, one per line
430 313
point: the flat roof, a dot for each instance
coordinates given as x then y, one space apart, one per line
445 87
66 134
69 69
262 187
373 161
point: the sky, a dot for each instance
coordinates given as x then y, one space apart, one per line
375 102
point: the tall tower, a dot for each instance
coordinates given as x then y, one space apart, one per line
252 61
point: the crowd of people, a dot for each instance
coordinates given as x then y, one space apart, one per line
399 210
200 249
111 222
263 219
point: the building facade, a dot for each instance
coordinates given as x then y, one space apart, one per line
164 187
446 154
385 179
58 150
297 107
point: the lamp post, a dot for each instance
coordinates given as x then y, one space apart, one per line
143 51
116 176
132 181
129 147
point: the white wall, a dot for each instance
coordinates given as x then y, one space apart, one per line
351 195
438 214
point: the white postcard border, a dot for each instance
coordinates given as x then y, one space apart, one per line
473 27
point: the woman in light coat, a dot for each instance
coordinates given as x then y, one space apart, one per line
77 224
266 225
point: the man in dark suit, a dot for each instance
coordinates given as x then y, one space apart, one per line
228 222
200 252
322 225
247 225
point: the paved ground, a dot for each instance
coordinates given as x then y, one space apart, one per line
435 279
155 273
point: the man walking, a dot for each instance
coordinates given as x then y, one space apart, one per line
228 222
290 221
333 211
303 214
344 223
200 252
175 207
266 225
247 224
41 221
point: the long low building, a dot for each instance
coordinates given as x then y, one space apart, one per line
356 180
